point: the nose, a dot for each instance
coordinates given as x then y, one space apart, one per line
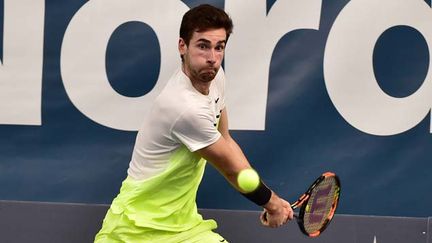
211 57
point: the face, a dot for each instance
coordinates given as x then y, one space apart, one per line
204 54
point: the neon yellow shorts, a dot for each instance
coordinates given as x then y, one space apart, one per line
119 228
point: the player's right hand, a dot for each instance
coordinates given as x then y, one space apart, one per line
276 212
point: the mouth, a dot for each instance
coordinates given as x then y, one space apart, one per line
208 74
210 70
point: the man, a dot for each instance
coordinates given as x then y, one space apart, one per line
186 126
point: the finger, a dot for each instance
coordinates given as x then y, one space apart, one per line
270 221
263 218
286 204
287 219
291 214
274 225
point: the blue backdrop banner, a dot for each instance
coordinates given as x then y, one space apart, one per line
312 85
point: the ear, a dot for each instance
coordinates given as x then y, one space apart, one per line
182 47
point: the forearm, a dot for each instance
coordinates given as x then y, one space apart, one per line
236 149
226 156
229 159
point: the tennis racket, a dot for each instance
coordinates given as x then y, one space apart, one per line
317 205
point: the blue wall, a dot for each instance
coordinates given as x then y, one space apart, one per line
70 158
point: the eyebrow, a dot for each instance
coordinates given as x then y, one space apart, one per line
207 41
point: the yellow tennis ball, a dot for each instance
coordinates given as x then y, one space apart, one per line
248 180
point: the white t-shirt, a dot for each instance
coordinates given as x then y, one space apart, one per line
181 115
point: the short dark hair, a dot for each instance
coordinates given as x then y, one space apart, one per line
202 18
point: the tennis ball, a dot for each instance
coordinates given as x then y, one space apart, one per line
248 180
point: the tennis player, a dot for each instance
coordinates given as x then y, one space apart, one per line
186 126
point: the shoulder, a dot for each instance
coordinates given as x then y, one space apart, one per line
195 127
194 112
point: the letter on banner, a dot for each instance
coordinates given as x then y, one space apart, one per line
250 48
83 57
348 67
21 69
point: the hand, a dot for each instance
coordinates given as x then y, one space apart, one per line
276 212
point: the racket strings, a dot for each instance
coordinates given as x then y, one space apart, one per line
321 205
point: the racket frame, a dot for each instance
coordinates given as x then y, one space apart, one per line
303 201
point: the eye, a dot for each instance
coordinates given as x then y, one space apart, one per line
202 46
220 48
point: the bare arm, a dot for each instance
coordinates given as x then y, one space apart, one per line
225 154
228 158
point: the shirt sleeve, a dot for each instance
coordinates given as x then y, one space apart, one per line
195 129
